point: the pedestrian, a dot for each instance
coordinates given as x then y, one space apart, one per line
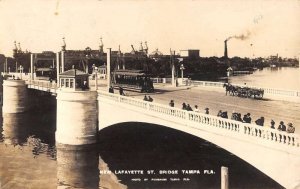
219 113
85 85
121 91
183 106
150 99
172 104
239 117
189 108
281 126
247 118
260 121
111 90
145 98
291 128
272 124
196 109
206 110
224 115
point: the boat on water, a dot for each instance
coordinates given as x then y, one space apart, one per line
273 66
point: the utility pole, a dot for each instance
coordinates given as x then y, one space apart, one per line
108 68
172 55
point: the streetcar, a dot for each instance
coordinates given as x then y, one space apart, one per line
48 74
136 80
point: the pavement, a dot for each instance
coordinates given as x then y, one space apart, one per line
215 99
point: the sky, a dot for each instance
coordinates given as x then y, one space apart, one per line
269 27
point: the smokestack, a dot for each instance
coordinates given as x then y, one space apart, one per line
226 53
225 50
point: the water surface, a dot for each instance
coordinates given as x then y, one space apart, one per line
281 78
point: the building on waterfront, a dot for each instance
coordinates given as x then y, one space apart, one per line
190 53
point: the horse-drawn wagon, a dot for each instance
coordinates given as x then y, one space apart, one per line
246 92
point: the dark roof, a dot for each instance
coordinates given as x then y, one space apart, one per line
44 69
131 72
73 72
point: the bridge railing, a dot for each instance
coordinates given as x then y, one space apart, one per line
43 85
271 91
204 120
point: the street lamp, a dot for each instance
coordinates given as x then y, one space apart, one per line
95 71
21 71
182 68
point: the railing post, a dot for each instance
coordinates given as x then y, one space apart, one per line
186 115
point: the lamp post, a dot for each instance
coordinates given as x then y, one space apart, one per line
95 71
21 71
182 68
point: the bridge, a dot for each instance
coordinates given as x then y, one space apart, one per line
80 114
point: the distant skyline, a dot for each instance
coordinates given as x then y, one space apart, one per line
258 28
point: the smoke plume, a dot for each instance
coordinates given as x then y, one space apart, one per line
243 36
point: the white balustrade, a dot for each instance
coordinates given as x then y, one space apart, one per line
204 120
271 91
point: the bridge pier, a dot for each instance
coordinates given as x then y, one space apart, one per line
77 166
15 96
77 117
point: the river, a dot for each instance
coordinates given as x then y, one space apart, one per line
31 159
280 78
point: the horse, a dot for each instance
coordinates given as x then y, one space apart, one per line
228 88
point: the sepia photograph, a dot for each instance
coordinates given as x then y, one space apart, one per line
149 94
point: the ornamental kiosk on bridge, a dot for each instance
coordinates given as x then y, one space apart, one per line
74 80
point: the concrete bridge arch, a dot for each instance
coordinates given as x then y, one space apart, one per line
269 159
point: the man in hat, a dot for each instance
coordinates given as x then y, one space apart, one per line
219 113
272 124
196 109
206 110
247 118
260 121
281 126
183 106
291 128
145 98
189 108
171 104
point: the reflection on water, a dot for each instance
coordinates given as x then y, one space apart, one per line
77 166
26 161
282 78
13 133
30 159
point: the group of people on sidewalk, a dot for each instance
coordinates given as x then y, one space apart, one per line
149 99
188 107
238 117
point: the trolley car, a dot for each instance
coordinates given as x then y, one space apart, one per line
136 80
45 74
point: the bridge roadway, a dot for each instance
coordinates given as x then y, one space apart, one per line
216 100
273 152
